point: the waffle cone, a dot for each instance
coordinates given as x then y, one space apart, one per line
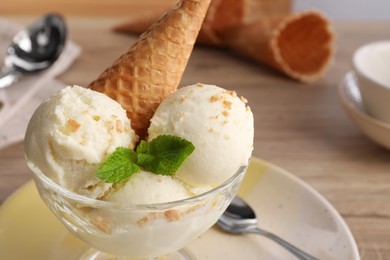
256 9
299 45
152 68
220 15
138 24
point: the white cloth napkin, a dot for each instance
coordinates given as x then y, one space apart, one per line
18 102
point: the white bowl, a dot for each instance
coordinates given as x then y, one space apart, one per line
371 64
349 94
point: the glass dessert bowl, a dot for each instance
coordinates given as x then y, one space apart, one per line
136 231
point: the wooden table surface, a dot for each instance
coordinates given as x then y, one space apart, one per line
301 128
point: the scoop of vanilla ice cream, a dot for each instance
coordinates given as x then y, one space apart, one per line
148 188
217 122
72 132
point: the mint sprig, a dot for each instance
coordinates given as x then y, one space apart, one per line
120 165
163 155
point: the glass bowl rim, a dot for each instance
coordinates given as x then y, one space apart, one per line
96 203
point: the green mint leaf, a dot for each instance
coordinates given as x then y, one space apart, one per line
164 154
143 147
120 165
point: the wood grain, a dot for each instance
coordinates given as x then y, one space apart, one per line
97 8
301 128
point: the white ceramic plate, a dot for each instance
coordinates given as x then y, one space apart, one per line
285 205
350 98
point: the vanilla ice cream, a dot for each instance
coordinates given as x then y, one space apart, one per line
149 188
71 133
217 122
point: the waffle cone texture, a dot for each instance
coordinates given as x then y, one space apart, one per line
221 14
153 67
300 45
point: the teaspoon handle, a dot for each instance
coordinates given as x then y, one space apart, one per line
293 249
8 77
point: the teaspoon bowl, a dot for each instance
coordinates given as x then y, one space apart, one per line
34 49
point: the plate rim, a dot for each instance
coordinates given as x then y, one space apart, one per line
321 198
347 102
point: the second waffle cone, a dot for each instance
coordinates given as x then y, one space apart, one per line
299 45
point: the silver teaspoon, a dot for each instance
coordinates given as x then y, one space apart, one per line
34 49
239 218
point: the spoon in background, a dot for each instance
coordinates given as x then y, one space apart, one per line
34 49
239 218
